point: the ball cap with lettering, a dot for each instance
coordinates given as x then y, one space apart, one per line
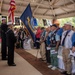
9 23
68 23
54 25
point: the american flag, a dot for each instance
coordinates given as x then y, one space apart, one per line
11 10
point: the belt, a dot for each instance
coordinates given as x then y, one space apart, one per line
67 48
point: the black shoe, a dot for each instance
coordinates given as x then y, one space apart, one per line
64 72
12 64
67 74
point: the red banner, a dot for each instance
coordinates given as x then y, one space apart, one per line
11 10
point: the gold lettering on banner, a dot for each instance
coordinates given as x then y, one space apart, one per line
28 20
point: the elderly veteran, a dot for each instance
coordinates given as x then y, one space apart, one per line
67 42
54 45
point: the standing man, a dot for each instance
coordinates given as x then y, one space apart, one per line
47 46
3 37
42 44
38 34
11 40
22 36
54 45
67 42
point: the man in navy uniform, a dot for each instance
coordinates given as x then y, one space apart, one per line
11 39
3 37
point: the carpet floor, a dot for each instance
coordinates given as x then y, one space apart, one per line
37 63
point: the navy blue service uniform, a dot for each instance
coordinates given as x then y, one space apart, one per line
3 43
11 39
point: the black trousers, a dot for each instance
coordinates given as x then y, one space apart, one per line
22 43
37 43
10 55
3 49
48 56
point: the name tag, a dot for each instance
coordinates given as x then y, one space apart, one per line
53 52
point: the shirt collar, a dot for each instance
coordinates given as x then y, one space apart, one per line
68 30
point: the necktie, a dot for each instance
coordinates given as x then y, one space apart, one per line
64 38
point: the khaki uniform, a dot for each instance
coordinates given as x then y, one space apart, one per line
43 51
67 59
66 50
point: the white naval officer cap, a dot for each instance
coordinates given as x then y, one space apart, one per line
68 23
3 19
9 23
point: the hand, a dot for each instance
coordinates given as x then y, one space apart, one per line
41 42
73 49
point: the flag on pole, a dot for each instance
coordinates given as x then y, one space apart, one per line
27 19
11 10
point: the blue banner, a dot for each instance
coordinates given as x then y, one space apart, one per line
27 19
